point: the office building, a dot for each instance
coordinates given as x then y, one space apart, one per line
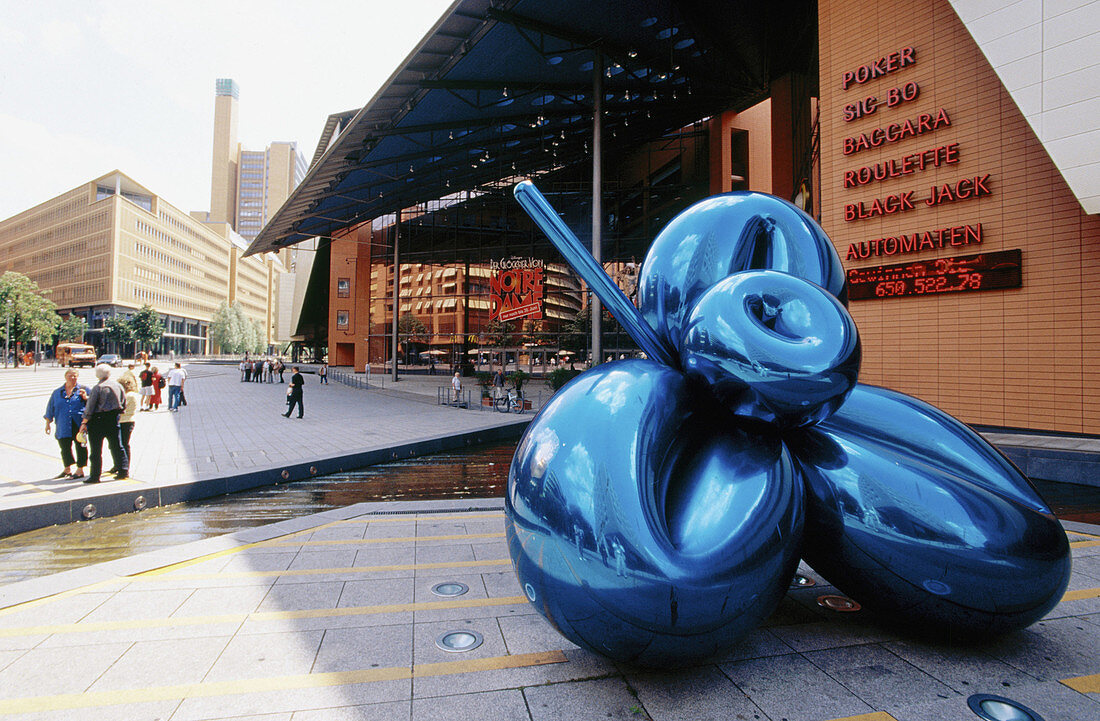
110 246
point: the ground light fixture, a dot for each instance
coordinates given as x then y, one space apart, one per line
998 708
458 641
450 589
840 604
800 581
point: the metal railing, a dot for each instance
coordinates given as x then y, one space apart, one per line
526 403
354 380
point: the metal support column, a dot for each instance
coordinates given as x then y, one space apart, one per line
396 289
597 199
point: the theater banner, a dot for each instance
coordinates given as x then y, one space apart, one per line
516 288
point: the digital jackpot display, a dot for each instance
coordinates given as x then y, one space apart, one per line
984 271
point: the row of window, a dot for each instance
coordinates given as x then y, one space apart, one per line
180 225
159 256
48 216
52 236
169 239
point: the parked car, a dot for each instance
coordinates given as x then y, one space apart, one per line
75 354
111 359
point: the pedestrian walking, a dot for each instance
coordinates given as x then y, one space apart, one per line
126 418
158 385
456 387
105 403
280 368
176 378
66 408
294 393
323 373
498 383
128 375
146 378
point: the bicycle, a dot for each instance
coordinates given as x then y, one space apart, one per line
513 402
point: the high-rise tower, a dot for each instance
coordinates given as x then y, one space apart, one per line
247 186
223 178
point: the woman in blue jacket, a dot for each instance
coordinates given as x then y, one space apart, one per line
65 408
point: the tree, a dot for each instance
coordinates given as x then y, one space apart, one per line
258 337
499 334
228 328
31 313
412 330
119 329
147 325
72 329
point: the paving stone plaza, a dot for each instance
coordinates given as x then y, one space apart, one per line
410 610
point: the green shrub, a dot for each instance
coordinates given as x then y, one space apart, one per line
517 377
560 376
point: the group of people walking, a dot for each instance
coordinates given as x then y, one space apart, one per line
83 418
262 370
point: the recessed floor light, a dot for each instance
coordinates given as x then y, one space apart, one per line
840 604
458 641
999 708
800 581
449 589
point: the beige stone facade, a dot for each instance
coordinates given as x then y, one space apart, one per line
111 246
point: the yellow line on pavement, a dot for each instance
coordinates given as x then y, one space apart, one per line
411 517
28 451
277 684
1083 544
1082 533
23 484
238 618
8 610
172 567
402 539
1084 684
1081 594
876 716
320 571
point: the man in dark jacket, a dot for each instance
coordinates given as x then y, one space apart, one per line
105 402
295 393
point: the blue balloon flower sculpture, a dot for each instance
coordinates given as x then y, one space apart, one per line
657 509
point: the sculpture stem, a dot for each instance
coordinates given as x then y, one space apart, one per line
567 243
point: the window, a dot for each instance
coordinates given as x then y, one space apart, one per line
341 319
343 287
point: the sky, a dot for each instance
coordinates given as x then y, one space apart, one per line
98 85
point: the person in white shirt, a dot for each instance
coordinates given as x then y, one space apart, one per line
456 385
176 378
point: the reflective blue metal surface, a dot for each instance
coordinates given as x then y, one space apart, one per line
656 516
643 523
773 347
581 260
722 235
914 515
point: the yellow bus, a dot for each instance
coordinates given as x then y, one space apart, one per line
75 354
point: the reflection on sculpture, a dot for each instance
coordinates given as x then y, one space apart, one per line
657 508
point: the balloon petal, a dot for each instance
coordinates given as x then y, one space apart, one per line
773 347
722 235
916 516
644 523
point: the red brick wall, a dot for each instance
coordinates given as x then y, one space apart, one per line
1024 357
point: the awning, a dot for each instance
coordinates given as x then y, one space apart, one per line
502 90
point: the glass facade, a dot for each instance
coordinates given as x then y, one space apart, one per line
480 286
